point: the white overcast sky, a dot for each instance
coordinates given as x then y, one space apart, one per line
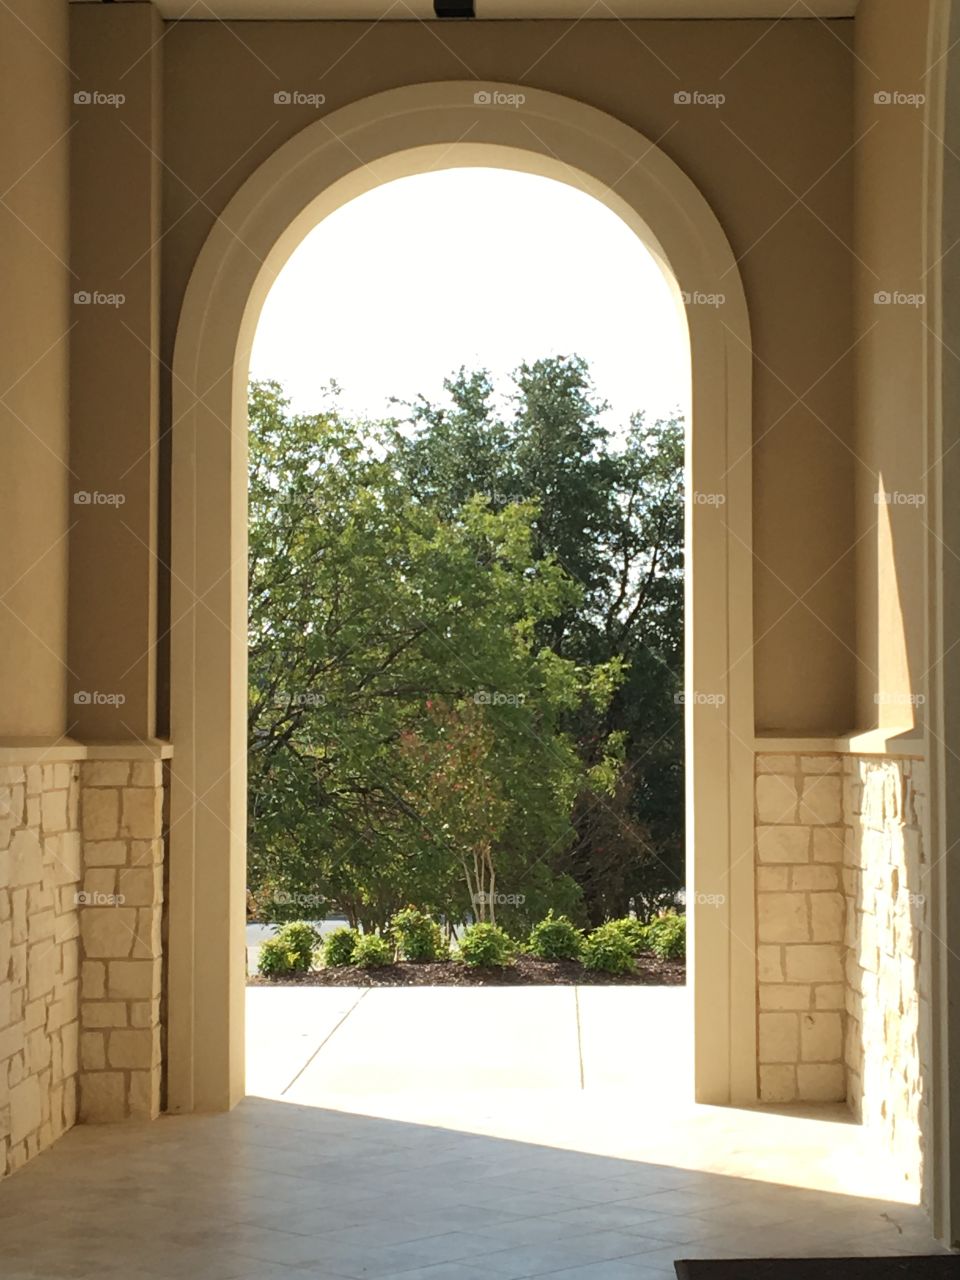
482 267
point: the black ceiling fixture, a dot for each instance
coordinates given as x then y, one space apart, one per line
454 8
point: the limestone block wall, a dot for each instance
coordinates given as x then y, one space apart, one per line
801 913
888 962
81 891
120 945
39 957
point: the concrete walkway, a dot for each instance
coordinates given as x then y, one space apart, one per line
308 1043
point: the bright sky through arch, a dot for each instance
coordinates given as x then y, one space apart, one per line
483 267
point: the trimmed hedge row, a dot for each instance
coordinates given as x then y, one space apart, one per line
414 936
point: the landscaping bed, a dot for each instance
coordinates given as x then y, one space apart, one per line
524 971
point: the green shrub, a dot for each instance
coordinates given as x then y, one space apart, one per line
276 959
339 946
555 938
372 952
668 937
417 936
485 946
299 938
608 950
634 933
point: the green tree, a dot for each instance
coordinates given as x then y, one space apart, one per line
609 511
370 609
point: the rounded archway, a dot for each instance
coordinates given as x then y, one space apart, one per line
375 140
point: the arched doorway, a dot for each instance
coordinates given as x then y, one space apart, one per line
390 135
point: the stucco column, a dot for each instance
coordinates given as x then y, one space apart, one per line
34 321
114 309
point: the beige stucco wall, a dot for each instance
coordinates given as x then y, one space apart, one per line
891 462
34 321
221 122
114 372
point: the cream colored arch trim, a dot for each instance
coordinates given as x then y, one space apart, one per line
398 133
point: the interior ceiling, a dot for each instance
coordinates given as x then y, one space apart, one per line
366 9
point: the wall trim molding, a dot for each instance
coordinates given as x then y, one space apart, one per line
354 149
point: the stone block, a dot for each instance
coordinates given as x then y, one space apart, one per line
776 798
144 1013
137 1048
821 1082
26 858
829 996
821 1037
827 916
93 979
106 773
133 979
821 801
93 1051
69 1044
778 1084
102 1013
142 812
783 844
64 775
146 773
11 1041
100 814
145 1094
102 1097
818 962
70 959
782 917
41 970
40 928
34 1014
148 942
774 763
63 852
140 886
53 811
814 878
99 882
773 879
67 927
770 964
781 996
779 1038
24 1109
37 1051
821 764
104 853
108 932
146 853
61 1012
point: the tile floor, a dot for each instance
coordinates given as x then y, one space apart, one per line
449 1184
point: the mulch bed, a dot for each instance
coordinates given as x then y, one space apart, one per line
526 971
